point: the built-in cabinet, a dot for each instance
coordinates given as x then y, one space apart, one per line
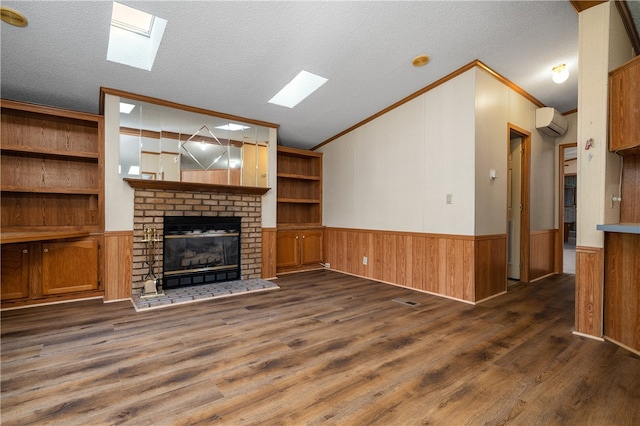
299 210
49 268
621 298
298 249
52 202
622 289
624 107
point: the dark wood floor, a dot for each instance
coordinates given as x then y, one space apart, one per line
324 349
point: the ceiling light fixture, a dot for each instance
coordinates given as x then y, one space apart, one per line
420 60
13 17
232 127
560 73
302 85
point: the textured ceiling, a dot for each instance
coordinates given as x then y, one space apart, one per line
234 56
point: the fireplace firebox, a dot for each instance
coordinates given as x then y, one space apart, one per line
200 250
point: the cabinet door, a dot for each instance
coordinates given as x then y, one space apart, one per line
69 266
624 107
287 251
14 271
311 247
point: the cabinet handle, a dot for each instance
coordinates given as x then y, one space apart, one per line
46 250
296 237
25 251
303 237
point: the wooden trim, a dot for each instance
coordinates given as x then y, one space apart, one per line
269 252
571 111
107 91
525 199
629 25
53 111
27 236
417 234
194 186
580 5
589 290
451 76
296 151
117 259
130 131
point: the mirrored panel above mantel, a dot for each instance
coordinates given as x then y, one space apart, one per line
163 142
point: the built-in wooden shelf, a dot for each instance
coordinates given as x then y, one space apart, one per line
28 236
51 153
49 190
297 176
194 186
298 200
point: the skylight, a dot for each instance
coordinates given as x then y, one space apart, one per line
134 37
126 108
302 85
232 127
131 19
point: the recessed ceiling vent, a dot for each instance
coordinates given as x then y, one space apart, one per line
550 122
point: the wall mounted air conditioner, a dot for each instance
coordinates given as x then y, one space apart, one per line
550 122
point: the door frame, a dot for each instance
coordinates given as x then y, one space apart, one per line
560 236
525 180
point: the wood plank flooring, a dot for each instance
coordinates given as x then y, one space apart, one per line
325 348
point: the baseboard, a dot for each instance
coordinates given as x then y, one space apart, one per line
55 302
588 336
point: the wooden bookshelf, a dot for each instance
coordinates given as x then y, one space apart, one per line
299 210
52 206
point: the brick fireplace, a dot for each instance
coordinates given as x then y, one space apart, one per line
151 205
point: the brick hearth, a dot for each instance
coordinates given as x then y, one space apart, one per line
151 205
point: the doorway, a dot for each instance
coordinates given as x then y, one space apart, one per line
568 173
518 175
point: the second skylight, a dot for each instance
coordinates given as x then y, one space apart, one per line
302 85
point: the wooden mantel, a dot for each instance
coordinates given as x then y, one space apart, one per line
193 186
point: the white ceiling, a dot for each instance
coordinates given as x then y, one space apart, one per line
234 56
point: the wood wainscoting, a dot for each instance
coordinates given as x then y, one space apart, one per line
589 288
542 252
269 252
118 264
466 268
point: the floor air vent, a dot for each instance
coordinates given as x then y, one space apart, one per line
406 302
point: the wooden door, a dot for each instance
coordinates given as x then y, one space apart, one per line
15 271
514 208
69 266
311 247
287 251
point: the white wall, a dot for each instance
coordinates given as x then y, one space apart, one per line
603 46
118 195
269 199
395 172
492 145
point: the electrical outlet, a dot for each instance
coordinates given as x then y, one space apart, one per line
327 265
449 198
364 260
